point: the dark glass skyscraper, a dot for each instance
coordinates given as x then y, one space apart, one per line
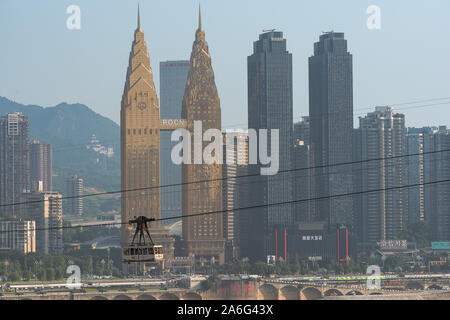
331 119
173 76
270 107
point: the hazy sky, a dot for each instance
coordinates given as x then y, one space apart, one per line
42 62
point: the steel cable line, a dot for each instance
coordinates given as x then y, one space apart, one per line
226 178
249 207
275 178
372 108
80 146
309 199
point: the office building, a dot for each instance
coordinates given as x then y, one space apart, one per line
270 106
203 234
331 122
303 210
173 76
140 125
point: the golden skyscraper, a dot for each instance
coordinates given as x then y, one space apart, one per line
139 124
202 235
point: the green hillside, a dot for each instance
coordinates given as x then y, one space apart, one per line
68 128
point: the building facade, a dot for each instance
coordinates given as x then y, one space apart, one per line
437 195
270 106
331 120
235 151
415 139
18 235
202 234
75 190
173 76
45 208
14 161
382 215
303 210
140 148
41 166
140 139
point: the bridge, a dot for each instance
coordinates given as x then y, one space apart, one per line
251 289
111 295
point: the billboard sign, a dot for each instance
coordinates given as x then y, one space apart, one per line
393 245
440 245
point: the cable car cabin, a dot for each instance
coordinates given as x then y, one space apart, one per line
143 253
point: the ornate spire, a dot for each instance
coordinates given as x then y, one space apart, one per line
200 34
139 19
199 18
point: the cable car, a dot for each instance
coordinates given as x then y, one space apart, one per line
142 251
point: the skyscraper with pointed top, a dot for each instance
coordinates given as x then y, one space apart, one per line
202 234
140 144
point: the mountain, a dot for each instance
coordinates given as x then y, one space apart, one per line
68 128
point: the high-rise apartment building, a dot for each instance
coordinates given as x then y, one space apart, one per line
14 161
18 235
75 190
173 76
235 151
415 139
41 166
270 106
331 121
437 195
45 208
382 215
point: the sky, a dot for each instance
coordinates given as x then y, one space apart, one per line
43 62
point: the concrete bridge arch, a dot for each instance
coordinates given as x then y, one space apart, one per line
434 287
191 296
289 292
354 293
146 296
332 293
267 292
415 285
311 293
122 297
168 296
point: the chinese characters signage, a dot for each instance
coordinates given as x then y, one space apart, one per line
393 245
440 245
312 238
